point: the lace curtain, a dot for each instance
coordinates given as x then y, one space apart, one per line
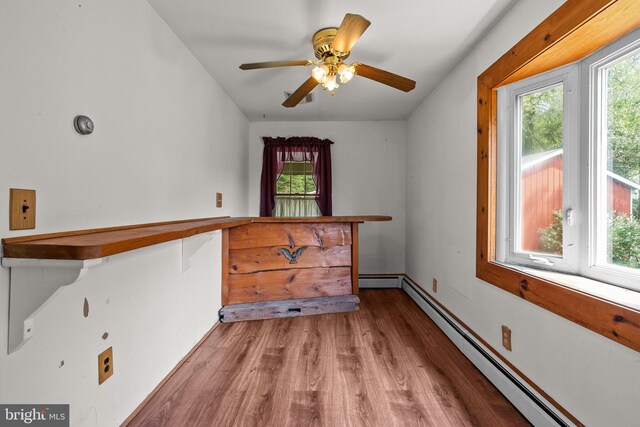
296 207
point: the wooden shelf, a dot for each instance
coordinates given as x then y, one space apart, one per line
103 242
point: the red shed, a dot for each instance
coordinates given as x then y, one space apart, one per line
542 194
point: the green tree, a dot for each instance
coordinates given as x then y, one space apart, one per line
542 120
624 240
623 118
623 232
551 237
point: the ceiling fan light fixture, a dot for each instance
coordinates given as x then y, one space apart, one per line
346 72
320 73
331 83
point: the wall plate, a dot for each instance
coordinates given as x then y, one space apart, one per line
105 365
22 209
506 337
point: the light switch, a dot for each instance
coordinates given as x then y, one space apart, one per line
22 209
218 200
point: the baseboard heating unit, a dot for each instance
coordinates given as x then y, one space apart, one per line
527 400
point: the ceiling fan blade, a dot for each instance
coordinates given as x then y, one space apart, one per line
351 29
300 93
273 64
385 77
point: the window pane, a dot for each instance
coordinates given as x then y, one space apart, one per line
311 185
540 210
297 184
623 161
296 178
282 185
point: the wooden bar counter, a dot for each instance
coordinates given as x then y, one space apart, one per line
271 267
281 267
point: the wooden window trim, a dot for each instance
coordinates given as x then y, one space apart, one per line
573 31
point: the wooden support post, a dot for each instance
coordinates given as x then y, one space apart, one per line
225 267
354 257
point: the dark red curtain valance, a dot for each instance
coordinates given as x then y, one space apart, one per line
279 150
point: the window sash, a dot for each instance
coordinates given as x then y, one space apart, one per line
593 257
508 227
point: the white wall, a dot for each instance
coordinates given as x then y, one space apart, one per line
367 160
594 378
167 138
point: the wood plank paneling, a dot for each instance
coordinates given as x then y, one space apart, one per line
385 365
541 197
287 284
290 235
270 258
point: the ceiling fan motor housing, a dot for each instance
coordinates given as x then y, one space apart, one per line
322 41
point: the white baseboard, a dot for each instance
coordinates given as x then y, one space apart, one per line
527 400
380 282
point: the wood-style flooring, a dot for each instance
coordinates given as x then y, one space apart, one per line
385 365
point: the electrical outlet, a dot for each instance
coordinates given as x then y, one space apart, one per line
434 286
218 200
105 365
506 337
22 209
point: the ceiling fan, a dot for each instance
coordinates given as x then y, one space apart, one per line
332 46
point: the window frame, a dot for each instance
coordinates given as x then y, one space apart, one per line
510 170
593 115
572 32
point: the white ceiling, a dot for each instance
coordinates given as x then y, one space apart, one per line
419 39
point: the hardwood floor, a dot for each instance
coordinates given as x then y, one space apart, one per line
385 365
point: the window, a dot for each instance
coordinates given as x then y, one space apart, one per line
569 168
296 191
296 180
575 30
296 177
